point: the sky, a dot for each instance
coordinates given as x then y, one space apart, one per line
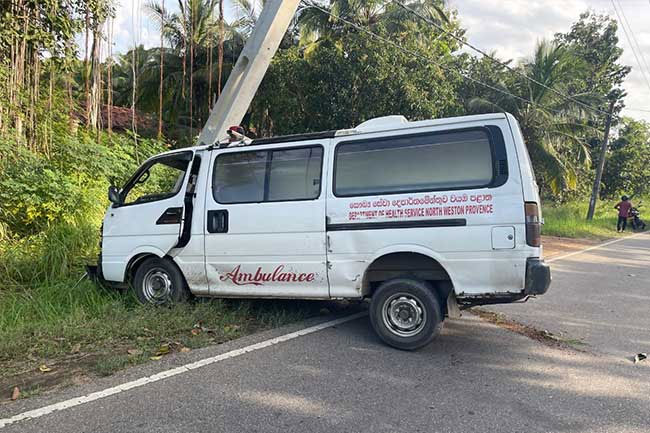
509 27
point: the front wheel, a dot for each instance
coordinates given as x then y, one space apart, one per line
159 282
405 313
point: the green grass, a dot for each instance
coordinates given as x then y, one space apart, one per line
109 365
31 392
56 324
569 220
48 316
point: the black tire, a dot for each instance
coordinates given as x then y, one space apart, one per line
405 295
159 282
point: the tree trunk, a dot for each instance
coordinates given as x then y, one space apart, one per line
20 74
109 80
33 83
162 57
191 72
86 70
220 55
49 140
134 123
210 71
94 95
185 26
11 83
68 85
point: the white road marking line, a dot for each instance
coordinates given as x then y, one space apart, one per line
594 247
174 371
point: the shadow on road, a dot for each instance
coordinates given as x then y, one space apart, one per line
473 375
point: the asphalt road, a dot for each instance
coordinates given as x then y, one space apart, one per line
475 377
600 297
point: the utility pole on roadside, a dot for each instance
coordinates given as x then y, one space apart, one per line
249 70
601 163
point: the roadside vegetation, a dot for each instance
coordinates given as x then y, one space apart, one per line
67 328
75 119
568 220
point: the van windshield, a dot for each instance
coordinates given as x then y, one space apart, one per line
159 179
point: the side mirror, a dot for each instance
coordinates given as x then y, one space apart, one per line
114 195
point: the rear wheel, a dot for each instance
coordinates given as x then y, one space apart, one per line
405 313
159 282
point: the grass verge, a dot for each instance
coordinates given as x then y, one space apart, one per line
54 334
569 220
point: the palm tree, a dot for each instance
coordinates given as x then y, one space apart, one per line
316 24
553 126
183 108
192 28
162 62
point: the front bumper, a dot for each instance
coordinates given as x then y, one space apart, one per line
96 275
538 277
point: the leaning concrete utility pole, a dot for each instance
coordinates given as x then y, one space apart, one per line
248 72
595 191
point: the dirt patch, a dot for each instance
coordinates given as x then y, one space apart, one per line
543 336
556 246
57 376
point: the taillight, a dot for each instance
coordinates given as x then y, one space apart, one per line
533 226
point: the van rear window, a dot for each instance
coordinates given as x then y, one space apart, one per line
423 162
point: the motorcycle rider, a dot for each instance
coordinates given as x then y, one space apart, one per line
623 208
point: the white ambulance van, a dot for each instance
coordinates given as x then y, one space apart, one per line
419 217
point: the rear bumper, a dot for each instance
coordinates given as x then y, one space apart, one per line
537 281
538 277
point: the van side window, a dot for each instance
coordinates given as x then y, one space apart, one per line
423 162
295 174
239 177
268 175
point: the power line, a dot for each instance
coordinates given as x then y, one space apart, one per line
636 41
629 40
429 59
503 64
644 110
410 52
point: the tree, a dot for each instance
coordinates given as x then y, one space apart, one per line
97 13
628 165
189 32
30 30
353 77
593 39
161 67
553 126
331 23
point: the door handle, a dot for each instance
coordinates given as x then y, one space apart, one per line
218 221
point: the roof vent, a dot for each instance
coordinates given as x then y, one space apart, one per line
384 122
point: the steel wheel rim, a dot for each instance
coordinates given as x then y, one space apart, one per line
157 286
404 314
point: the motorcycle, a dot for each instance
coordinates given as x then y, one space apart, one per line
634 220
